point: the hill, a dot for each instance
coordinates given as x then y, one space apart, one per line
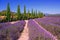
3 13
52 15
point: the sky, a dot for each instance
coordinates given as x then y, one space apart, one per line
45 6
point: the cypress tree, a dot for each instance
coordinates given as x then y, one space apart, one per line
0 14
40 14
24 10
28 14
36 14
8 14
18 13
25 16
32 13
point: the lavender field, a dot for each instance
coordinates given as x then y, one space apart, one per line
46 28
29 19
51 24
11 30
36 32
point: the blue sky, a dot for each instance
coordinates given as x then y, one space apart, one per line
45 6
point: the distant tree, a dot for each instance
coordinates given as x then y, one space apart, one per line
36 14
40 14
8 14
18 13
32 11
32 14
24 10
0 14
28 14
25 16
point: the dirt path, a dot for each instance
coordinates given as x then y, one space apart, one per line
24 35
54 38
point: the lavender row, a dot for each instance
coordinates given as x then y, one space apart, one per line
10 30
49 20
51 24
36 32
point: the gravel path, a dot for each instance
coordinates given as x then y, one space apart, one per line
24 35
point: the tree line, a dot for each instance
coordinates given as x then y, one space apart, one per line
21 16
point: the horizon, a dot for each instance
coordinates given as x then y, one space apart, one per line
45 6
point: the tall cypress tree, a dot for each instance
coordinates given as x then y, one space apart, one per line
25 16
8 14
32 13
36 14
40 14
18 13
24 10
28 14
0 14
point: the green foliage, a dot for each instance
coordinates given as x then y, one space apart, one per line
8 14
18 13
28 14
24 10
36 16
3 13
0 13
32 14
11 16
24 15
40 15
